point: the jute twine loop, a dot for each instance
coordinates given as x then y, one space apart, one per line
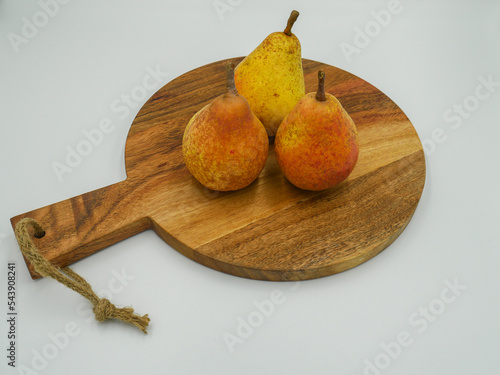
103 309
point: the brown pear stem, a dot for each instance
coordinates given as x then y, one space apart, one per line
231 87
320 95
291 20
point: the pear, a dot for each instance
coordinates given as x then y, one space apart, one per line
225 146
317 144
271 77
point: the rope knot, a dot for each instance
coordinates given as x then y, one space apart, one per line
104 310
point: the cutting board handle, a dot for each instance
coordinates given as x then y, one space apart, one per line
80 226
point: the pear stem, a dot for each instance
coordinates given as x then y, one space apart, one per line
291 20
320 95
231 87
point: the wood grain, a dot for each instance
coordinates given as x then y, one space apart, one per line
270 230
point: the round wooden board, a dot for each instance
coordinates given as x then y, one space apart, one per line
270 230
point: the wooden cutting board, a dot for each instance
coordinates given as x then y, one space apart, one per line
270 230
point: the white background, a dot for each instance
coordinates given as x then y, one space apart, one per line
429 58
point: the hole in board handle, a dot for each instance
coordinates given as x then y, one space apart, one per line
39 234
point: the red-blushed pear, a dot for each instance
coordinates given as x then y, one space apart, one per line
317 143
271 77
225 146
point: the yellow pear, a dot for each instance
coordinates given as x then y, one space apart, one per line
271 77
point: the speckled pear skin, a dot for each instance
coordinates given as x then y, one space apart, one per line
317 144
225 146
271 78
